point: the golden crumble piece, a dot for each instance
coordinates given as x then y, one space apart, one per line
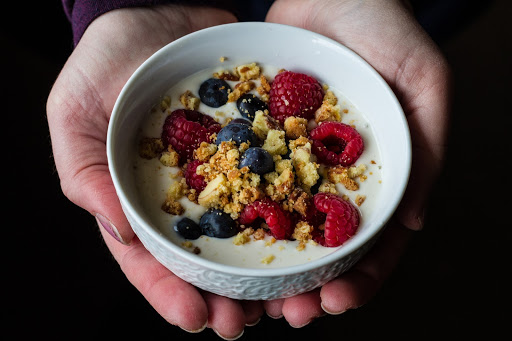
263 123
306 170
259 234
173 207
241 238
283 164
187 244
226 75
300 142
299 201
271 241
177 189
360 199
248 71
268 259
170 158
165 103
275 142
345 175
223 59
355 171
264 88
328 187
205 151
150 147
189 101
284 183
302 231
239 90
295 127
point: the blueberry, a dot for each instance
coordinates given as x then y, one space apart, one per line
258 160
214 92
188 229
218 224
248 104
242 121
238 132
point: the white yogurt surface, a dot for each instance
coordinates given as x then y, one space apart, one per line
153 179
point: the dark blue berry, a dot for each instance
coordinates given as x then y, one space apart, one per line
188 229
218 224
214 92
238 132
242 121
258 160
248 104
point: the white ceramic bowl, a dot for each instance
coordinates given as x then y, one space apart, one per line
287 47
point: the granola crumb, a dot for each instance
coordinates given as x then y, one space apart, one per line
295 127
240 89
268 259
248 71
173 207
169 158
241 238
223 59
263 123
189 101
150 147
360 199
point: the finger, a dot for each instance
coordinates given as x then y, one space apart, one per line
274 308
358 285
253 311
300 310
177 301
226 316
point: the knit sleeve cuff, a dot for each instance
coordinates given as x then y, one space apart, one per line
82 12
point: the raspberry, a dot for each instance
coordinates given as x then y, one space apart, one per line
341 219
278 221
186 129
193 179
294 94
336 143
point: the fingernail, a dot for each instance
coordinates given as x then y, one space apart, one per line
331 312
110 228
195 331
252 324
274 317
229 338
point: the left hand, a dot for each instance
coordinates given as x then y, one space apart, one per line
386 35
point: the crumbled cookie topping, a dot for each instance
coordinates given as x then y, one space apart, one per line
248 71
189 101
150 147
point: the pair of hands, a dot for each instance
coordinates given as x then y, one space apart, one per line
383 32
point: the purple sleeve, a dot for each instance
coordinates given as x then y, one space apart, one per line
82 12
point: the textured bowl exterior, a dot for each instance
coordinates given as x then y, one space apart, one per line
246 287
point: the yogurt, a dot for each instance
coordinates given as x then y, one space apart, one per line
153 179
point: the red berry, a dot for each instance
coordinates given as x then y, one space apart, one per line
186 129
336 143
294 94
279 222
193 179
341 220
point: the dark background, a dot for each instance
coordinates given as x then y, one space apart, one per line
453 282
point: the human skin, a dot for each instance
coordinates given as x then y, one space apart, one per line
385 34
116 43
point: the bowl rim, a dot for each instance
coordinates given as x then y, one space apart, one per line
152 230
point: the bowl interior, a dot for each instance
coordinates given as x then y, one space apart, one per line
273 44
